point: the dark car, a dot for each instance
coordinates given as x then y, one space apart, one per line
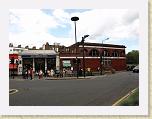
136 69
130 67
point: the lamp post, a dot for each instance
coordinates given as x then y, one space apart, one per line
83 38
102 58
76 19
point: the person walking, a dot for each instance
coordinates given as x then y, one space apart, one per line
26 73
52 72
40 74
31 73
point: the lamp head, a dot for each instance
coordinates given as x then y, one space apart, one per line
74 18
107 39
85 36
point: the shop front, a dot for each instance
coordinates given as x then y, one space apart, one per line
39 60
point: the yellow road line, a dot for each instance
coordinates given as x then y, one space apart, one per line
15 91
124 97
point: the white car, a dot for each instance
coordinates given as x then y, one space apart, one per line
136 69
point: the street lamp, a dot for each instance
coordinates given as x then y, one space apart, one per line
102 58
83 38
75 19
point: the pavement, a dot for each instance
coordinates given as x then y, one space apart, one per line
56 78
102 90
61 78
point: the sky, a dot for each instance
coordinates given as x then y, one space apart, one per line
35 27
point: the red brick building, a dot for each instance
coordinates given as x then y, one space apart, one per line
96 56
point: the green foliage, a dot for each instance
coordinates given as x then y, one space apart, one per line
132 100
133 57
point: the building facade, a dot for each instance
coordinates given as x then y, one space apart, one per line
15 60
96 56
39 60
92 56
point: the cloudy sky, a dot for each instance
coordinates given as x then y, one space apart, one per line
35 27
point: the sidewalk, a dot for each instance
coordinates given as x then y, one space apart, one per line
62 78
51 78
56 78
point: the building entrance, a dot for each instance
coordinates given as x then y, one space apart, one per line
51 63
39 64
27 63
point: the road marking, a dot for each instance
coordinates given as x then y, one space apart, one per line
124 97
12 91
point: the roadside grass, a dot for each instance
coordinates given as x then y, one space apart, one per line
131 100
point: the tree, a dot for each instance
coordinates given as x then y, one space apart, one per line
133 57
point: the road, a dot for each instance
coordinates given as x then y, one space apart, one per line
97 91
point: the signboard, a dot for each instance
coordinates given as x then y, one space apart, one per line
66 63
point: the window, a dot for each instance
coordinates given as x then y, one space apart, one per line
94 53
107 62
115 54
105 53
67 50
122 53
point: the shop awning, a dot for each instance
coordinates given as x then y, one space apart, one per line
38 53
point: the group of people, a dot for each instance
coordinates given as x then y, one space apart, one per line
28 73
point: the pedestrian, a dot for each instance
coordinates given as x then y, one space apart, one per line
26 73
40 74
52 72
48 73
31 73
64 72
98 69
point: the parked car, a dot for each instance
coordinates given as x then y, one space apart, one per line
130 67
136 69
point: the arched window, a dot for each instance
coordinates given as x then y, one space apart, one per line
105 53
94 53
122 53
115 54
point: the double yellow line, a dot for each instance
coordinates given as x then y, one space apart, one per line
124 97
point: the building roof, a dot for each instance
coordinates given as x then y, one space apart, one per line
38 52
99 44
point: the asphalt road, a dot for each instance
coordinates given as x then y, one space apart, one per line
97 91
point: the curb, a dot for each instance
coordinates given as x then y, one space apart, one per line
124 97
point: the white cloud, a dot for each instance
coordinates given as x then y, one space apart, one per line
34 25
98 23
111 23
61 16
